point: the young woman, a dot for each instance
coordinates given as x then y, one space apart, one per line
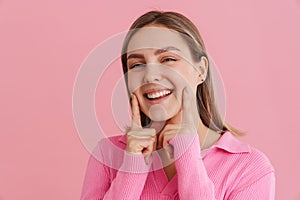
177 147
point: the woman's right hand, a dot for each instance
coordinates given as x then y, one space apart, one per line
140 140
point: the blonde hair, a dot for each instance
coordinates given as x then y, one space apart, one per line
207 107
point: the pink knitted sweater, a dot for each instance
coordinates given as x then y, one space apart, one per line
230 169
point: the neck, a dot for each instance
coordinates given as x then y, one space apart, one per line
207 136
158 126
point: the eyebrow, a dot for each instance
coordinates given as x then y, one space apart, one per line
158 51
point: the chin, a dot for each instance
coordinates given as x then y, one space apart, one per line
158 118
159 113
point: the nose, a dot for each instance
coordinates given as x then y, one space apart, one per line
153 73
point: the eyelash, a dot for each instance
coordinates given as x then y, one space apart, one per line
170 59
134 65
163 60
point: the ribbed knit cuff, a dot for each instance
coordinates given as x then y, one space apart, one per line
134 163
182 143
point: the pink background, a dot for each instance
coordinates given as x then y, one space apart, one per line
255 44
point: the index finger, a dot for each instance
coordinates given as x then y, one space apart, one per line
189 106
135 110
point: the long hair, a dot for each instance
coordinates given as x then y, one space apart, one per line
207 107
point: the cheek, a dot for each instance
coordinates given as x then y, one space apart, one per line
134 81
186 77
191 77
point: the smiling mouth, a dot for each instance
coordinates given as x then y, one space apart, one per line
158 94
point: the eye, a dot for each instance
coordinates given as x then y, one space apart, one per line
168 59
136 65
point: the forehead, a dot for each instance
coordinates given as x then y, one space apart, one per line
156 38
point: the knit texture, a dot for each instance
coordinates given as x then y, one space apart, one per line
230 169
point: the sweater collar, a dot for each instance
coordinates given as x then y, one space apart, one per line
231 144
227 142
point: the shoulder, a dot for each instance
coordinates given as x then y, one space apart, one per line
252 168
243 161
259 159
250 172
110 150
253 165
116 141
256 162
245 153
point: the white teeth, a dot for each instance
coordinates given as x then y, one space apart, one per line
158 94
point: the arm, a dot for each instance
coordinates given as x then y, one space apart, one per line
193 181
189 166
128 183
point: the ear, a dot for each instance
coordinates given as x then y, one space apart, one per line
202 68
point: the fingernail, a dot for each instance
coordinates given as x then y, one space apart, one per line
170 150
186 90
147 160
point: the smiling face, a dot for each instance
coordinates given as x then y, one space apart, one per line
159 66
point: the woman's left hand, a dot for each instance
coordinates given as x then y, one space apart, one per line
187 125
